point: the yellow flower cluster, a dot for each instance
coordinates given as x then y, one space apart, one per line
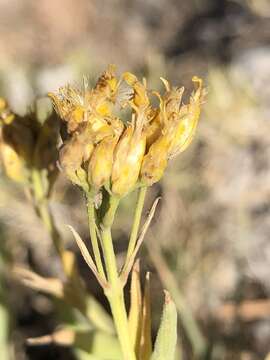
27 143
101 149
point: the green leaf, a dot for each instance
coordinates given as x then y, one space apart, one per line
165 344
97 345
98 316
87 344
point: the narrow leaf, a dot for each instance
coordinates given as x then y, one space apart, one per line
86 255
100 345
52 286
146 338
135 313
165 344
63 337
127 268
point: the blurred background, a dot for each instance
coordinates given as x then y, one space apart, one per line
210 237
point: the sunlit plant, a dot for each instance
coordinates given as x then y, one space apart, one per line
108 156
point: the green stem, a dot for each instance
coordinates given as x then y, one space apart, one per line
114 293
43 210
109 256
93 235
136 221
117 305
77 297
108 218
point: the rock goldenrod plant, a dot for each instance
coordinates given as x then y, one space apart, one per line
108 157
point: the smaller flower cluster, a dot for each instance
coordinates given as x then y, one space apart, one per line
27 143
102 149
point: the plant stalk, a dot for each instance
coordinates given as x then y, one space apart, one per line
136 221
93 235
43 211
86 304
115 293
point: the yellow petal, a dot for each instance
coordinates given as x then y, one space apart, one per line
140 96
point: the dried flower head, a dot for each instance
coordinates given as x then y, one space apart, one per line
175 126
131 146
103 150
88 114
84 105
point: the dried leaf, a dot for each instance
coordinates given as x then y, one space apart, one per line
52 286
135 313
63 337
86 255
129 264
146 338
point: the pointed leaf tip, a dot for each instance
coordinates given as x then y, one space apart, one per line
168 298
86 255
165 344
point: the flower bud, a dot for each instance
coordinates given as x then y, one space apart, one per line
13 164
73 153
153 130
100 164
127 161
155 161
188 119
20 137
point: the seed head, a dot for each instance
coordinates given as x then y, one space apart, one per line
84 105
